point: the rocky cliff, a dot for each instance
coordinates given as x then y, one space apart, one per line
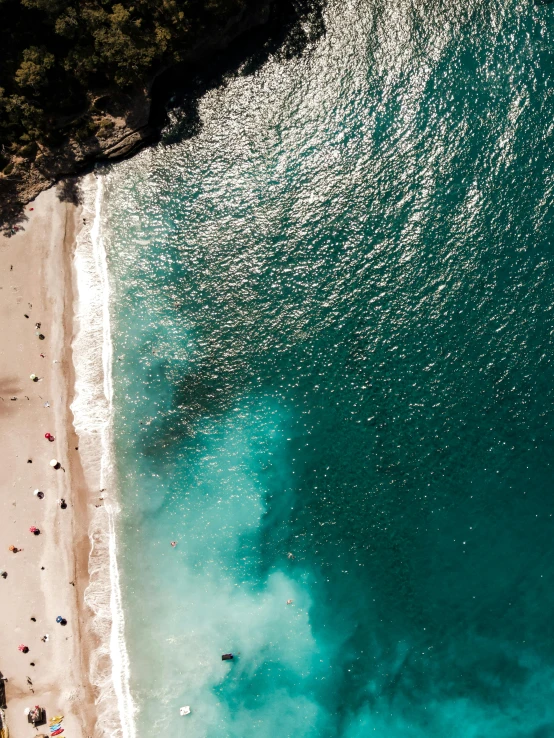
123 123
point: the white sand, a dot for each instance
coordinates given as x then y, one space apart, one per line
36 279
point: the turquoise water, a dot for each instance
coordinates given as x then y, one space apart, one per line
333 328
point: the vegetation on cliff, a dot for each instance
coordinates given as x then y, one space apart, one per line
57 55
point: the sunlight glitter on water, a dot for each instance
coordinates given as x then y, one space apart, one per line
332 317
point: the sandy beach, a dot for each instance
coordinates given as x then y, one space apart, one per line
47 577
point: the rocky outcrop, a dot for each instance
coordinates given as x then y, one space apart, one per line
122 125
117 125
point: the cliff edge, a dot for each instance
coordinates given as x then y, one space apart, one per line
115 121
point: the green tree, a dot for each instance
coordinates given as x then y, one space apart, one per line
33 70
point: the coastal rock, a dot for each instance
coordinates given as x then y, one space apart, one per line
115 127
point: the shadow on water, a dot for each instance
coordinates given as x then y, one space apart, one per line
293 26
208 389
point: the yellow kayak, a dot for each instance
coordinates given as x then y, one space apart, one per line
56 719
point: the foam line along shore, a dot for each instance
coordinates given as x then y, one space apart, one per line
53 310
92 409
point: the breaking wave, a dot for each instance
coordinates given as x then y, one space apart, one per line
93 411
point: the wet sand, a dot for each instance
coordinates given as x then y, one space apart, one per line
47 577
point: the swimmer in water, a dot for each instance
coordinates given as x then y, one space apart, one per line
173 544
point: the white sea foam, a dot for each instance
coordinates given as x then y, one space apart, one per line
93 412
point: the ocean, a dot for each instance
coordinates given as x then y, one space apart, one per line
331 383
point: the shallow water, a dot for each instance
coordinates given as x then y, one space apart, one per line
332 318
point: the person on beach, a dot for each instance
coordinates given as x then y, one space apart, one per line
14 549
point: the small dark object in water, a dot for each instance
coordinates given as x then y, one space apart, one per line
227 657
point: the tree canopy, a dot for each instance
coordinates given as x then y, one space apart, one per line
56 53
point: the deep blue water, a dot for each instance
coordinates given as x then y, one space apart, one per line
333 384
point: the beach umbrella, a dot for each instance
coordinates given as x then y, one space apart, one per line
23 648
59 619
27 710
12 548
54 463
33 377
3 573
33 529
36 492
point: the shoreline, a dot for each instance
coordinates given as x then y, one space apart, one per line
92 410
51 574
